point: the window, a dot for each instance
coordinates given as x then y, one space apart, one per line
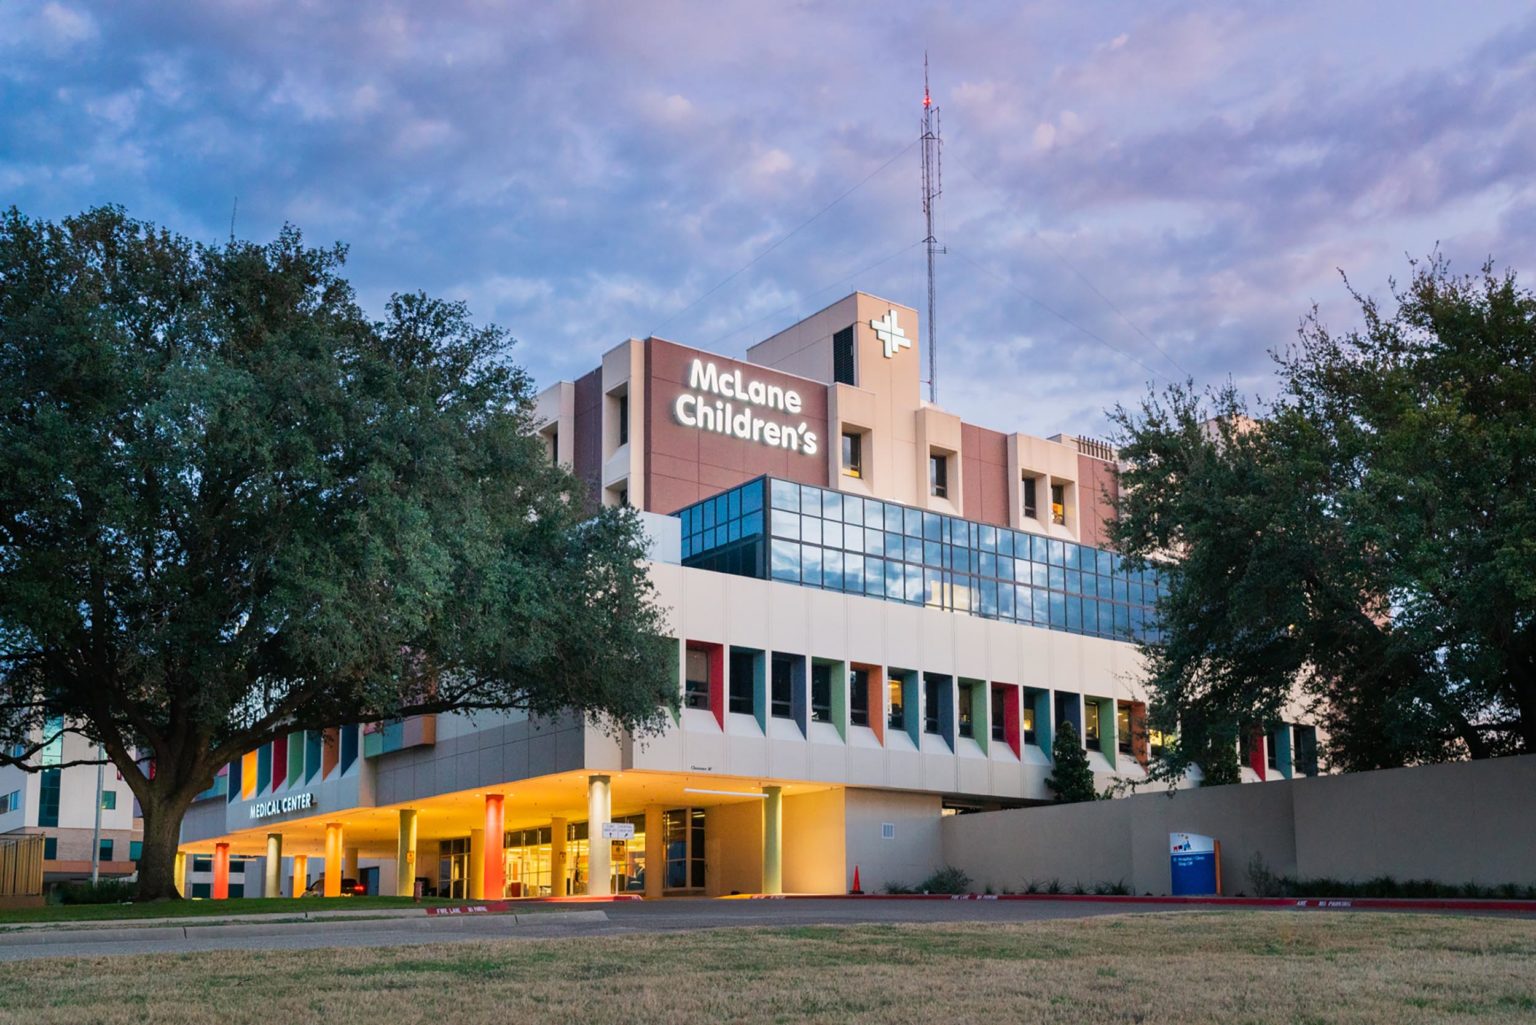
1273 747
1031 508
1091 737
104 853
624 421
930 704
1029 723
938 476
1156 741
966 725
624 498
109 800
898 718
205 863
1059 504
10 802
48 798
135 850
743 678
783 687
696 673
999 713
853 454
858 696
821 692
554 448
1123 727
842 356
51 849
1304 750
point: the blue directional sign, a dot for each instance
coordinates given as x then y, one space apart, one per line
1192 862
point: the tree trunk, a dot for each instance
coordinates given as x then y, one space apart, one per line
162 835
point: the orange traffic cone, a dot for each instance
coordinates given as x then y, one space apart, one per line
856 889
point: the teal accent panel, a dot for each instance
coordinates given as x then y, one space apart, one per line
263 768
349 745
912 706
313 744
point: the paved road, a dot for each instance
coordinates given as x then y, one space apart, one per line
621 918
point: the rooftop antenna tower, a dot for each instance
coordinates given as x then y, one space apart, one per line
933 187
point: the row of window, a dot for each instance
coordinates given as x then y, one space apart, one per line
10 802
855 446
104 852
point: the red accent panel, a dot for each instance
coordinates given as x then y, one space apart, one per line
717 682
279 761
1256 758
1012 718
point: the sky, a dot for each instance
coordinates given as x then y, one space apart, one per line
1133 192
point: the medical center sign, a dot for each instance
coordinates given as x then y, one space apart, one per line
726 403
283 805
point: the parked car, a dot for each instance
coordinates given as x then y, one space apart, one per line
349 888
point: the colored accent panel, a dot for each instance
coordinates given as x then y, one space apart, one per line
877 699
349 746
330 751
840 699
760 689
799 697
947 715
296 756
221 871
314 754
1256 758
279 761
981 712
1045 725
263 768
495 882
373 743
235 788
1069 708
394 736
1013 734
717 682
419 731
248 769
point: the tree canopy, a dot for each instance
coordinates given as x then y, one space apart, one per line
1071 778
232 506
1365 543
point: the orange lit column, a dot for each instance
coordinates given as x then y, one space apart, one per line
333 859
221 871
300 874
495 867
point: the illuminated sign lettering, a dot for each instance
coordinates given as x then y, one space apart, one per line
734 412
283 805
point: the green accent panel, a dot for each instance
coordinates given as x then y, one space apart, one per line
373 744
394 735
840 699
981 712
295 757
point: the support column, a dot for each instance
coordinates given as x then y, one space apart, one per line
274 881
349 863
599 860
405 854
559 865
655 852
221 871
773 841
300 874
179 873
333 841
495 865
476 859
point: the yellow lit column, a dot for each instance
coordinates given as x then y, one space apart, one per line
405 855
599 851
333 841
773 841
274 879
179 876
476 859
559 866
655 852
300 874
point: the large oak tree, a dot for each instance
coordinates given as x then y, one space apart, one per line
1366 542
232 506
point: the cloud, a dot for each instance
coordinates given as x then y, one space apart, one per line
1151 192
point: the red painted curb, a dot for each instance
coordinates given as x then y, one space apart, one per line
1324 903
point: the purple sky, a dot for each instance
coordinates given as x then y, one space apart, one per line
1181 177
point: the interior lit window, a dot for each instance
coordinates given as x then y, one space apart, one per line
898 719
853 454
1091 735
1029 723
967 727
1059 504
1123 727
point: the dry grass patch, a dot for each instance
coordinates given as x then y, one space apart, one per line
1192 967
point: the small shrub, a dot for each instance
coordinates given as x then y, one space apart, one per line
946 880
1054 886
104 891
1033 886
1078 889
1265 882
898 888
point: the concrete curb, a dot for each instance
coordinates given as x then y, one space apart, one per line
417 920
1350 903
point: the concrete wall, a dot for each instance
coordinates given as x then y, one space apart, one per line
1464 822
908 856
814 854
734 848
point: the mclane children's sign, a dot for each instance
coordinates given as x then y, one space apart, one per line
734 411
283 805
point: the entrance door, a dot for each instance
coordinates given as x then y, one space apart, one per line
683 835
453 869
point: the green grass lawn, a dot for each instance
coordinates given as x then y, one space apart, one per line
1192 968
203 908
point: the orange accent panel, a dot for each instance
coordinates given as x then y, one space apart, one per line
221 871
248 763
330 752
